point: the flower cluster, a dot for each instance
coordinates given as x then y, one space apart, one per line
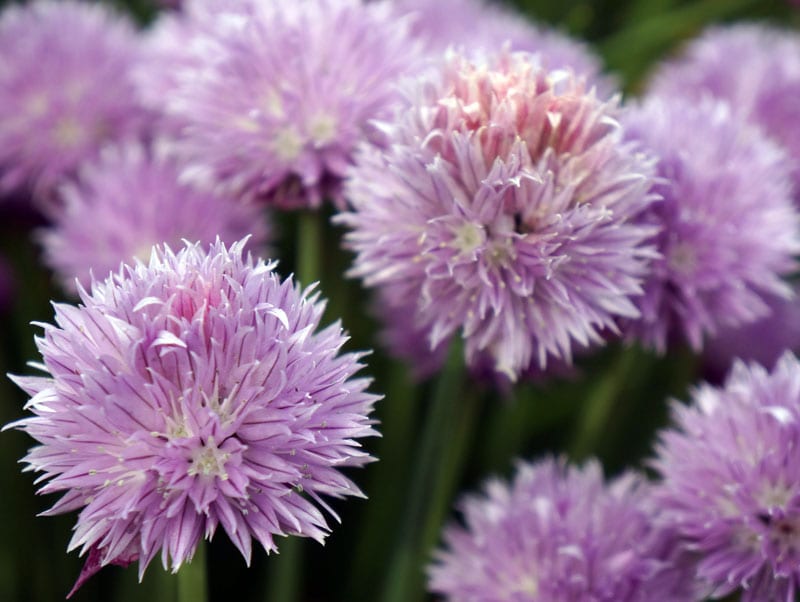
506 208
730 485
498 197
729 227
753 67
65 89
277 109
135 199
189 393
558 534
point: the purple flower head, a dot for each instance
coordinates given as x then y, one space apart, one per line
276 113
731 488
134 198
729 228
475 25
754 67
556 534
505 208
178 47
192 392
65 89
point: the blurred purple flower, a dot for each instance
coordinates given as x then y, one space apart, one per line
730 486
189 393
134 197
729 227
65 89
179 47
504 208
557 534
479 26
755 67
763 341
276 111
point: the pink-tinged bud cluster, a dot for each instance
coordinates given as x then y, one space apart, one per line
193 392
505 209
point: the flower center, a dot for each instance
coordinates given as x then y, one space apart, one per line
209 461
68 133
287 144
468 238
682 258
322 129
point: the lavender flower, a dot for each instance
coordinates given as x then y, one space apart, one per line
477 26
729 228
556 534
730 483
276 113
134 197
505 209
755 67
189 393
65 89
178 47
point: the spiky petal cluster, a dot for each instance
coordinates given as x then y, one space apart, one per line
134 198
475 25
189 393
754 67
276 113
555 534
504 208
65 89
729 228
730 483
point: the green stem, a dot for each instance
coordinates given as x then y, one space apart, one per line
398 418
284 571
435 461
600 405
309 246
192 586
507 428
453 458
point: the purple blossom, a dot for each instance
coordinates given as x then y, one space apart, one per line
65 89
178 47
275 111
557 534
476 25
193 392
134 198
754 67
505 208
729 227
730 486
